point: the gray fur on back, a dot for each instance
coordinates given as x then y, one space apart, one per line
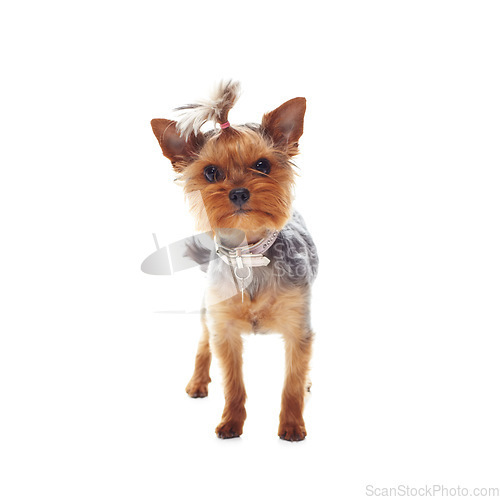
293 256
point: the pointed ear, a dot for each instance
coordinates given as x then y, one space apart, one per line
285 124
179 150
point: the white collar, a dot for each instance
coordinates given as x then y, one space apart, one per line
248 255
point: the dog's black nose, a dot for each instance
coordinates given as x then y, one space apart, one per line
239 196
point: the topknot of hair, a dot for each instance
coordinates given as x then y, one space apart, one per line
216 108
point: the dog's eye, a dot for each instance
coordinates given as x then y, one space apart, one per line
213 174
262 165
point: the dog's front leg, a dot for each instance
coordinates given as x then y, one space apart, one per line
298 347
227 345
198 385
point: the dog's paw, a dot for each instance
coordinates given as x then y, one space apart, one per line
292 431
229 429
197 389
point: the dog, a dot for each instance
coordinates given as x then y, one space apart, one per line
239 180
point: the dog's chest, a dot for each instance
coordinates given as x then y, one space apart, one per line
270 310
259 310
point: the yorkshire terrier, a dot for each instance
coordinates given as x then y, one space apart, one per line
239 179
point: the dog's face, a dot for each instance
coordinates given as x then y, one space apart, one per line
244 181
242 176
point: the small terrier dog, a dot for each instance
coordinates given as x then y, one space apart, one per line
239 181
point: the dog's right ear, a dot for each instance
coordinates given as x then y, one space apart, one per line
179 150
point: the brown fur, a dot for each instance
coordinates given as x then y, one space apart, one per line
198 385
235 151
274 310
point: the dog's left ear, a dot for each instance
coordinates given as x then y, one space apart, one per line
286 123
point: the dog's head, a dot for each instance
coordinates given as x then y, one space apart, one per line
242 176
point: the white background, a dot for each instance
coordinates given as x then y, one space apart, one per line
399 185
